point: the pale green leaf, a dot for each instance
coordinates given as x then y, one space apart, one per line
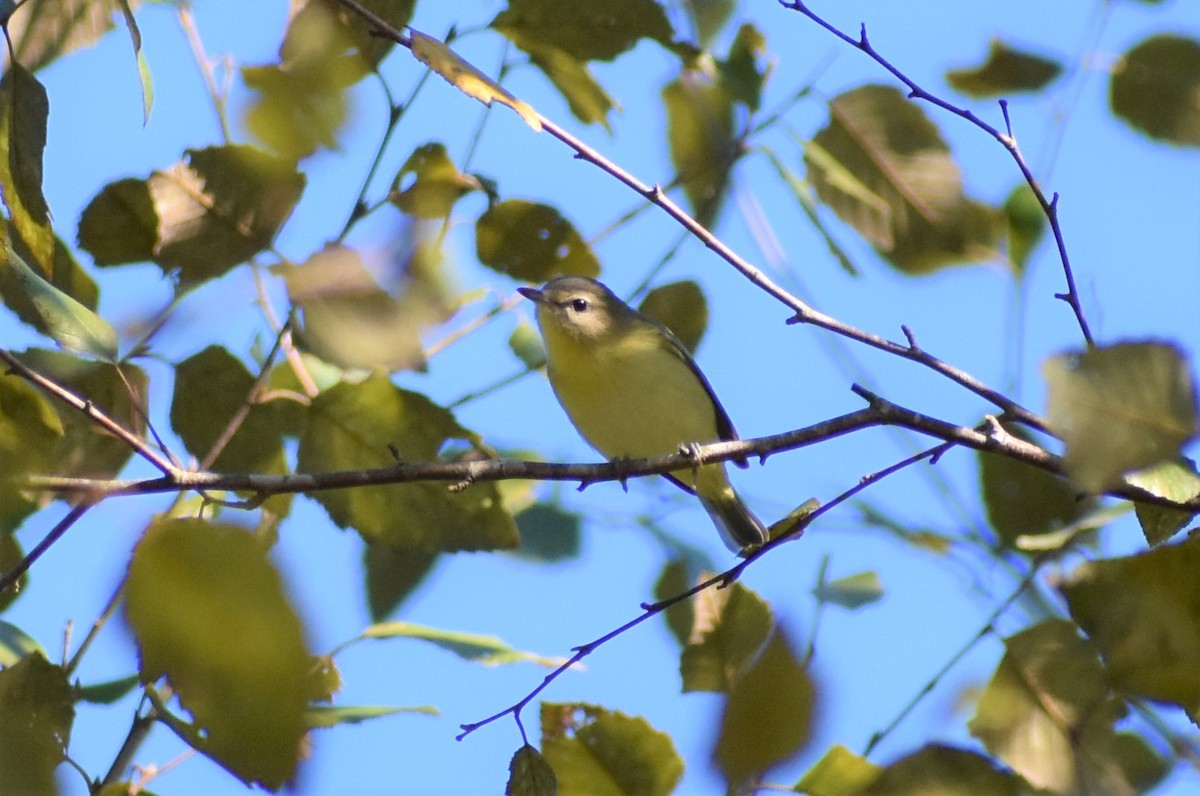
1176 480
839 772
488 650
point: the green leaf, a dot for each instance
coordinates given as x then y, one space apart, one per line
839 772
852 591
29 431
676 577
548 533
768 716
66 275
1006 70
1156 88
349 428
882 166
11 552
586 31
210 388
200 218
209 612
1143 612
700 135
23 112
36 714
945 771
436 185
487 650
1022 500
740 73
527 344
530 775
1026 226
16 644
1047 712
586 98
50 29
1120 407
532 242
109 691
709 17
682 308
459 73
1066 536
144 78
1177 480
322 716
370 47
729 628
72 325
601 752
392 574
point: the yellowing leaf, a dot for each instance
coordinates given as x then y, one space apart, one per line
466 78
487 650
436 186
839 772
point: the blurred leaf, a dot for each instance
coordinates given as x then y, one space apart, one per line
392 574
768 716
210 388
322 716
1177 480
16 644
1022 500
548 533
36 714
882 166
370 47
586 31
740 73
1143 612
676 578
80 450
808 204
144 78
852 591
1047 712
466 78
11 553
67 275
1026 226
109 691
1064 537
29 431
709 17
1118 408
324 679
68 322
49 29
600 752
488 650
1006 70
944 771
23 112
530 775
922 538
351 321
586 98
532 242
349 428
1156 88
682 308
209 612
436 186
204 217
729 628
700 135
527 344
839 772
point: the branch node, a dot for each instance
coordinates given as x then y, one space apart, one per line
910 337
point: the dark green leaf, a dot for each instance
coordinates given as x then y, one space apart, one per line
548 533
531 242
594 750
709 17
740 73
23 112
1156 88
29 431
586 31
11 553
392 575
1006 70
16 644
729 628
209 612
67 275
682 308
945 771
110 691
36 714
700 135
676 578
530 775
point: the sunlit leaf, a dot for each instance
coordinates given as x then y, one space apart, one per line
487 650
601 752
36 713
1156 88
1143 612
945 771
586 31
882 166
530 775
350 427
392 573
1006 70
548 533
700 135
1026 226
839 772
532 242
729 628
682 308
768 716
209 612
466 78
327 716
435 186
1120 407
49 29
1177 480
852 591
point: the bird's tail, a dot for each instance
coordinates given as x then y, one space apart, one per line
738 526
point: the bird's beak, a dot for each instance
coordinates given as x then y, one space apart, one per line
533 294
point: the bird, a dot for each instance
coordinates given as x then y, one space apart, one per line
632 390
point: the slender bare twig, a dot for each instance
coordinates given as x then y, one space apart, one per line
1006 139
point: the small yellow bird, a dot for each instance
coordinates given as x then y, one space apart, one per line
632 390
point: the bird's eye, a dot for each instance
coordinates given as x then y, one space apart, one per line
579 305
